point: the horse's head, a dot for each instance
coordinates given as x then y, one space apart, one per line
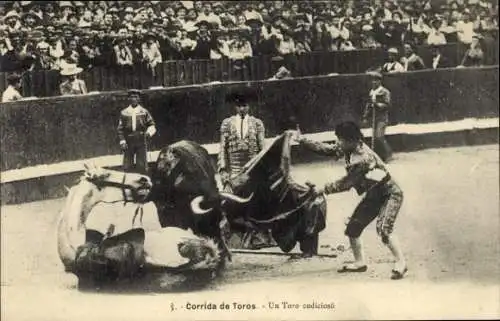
109 186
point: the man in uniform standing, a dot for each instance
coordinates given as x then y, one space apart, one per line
378 104
242 138
135 127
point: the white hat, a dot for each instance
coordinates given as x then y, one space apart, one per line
43 45
367 28
71 70
393 50
11 14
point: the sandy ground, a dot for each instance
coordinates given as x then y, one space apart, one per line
449 228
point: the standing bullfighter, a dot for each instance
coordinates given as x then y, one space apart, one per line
242 138
135 127
369 176
379 102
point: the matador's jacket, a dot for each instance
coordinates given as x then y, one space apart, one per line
365 170
241 140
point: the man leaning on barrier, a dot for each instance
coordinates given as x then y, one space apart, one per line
378 107
135 127
12 91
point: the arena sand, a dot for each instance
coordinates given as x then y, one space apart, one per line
449 228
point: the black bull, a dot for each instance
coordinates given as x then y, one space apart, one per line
294 213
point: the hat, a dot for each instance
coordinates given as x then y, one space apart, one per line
71 70
132 92
113 10
67 4
25 3
129 10
242 96
366 28
43 45
393 50
203 22
374 74
11 14
79 4
12 78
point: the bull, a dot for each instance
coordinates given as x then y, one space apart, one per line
293 212
183 173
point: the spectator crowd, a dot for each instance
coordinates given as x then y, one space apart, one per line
61 34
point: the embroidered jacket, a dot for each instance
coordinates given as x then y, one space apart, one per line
379 98
365 169
143 122
237 148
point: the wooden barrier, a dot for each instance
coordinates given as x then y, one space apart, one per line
57 129
188 72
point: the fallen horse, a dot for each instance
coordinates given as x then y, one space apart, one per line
101 259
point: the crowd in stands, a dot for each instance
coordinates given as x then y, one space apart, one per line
38 35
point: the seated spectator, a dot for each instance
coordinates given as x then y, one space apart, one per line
410 60
123 53
13 21
151 54
209 16
12 92
465 29
474 56
240 48
438 60
436 36
367 38
72 85
203 41
286 45
392 65
219 48
43 58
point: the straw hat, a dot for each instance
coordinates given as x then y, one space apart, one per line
71 70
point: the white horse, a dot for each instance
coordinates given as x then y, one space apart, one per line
168 247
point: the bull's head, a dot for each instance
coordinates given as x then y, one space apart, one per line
196 202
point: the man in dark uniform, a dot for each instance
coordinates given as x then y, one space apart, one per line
135 127
378 104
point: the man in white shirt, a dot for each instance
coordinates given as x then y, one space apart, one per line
209 16
436 36
12 92
393 65
465 29
135 127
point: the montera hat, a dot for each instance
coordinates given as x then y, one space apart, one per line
242 96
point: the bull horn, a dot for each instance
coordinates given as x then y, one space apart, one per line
66 188
236 198
195 206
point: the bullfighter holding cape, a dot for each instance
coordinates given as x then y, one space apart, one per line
242 138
